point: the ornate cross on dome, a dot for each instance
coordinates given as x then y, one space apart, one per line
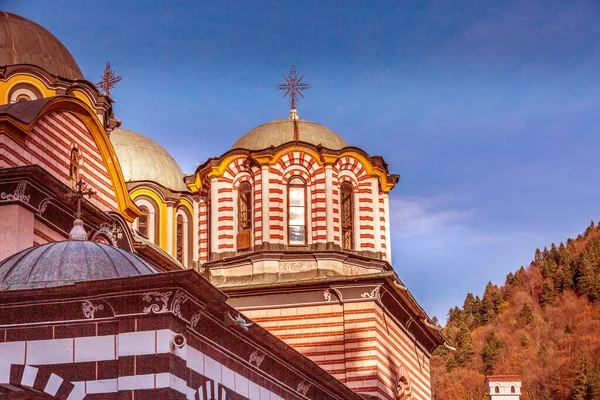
82 191
78 232
108 80
293 87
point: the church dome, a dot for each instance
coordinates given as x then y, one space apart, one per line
24 42
67 262
282 131
142 159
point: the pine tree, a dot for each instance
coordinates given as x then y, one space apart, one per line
580 389
594 382
546 294
464 343
526 314
490 351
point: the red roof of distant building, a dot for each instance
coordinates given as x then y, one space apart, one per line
503 378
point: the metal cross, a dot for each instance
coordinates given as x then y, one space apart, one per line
293 87
82 190
108 80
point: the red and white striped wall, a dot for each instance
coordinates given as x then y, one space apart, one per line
49 146
218 204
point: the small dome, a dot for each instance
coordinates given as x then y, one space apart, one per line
24 42
142 159
64 263
282 131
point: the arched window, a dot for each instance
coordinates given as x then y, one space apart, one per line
180 240
347 206
497 389
74 164
512 389
296 212
244 216
23 92
149 222
23 97
143 221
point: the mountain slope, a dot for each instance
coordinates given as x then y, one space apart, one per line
542 324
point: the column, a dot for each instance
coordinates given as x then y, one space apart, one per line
329 203
170 230
195 226
388 233
376 213
264 177
214 215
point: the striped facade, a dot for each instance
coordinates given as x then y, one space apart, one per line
49 146
218 204
167 342
358 343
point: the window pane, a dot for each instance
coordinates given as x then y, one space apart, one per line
296 181
296 196
297 235
296 216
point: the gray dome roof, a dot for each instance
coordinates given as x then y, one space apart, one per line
142 159
24 42
64 263
282 131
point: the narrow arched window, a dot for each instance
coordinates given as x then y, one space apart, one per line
347 206
244 216
179 235
512 389
74 164
497 389
143 221
296 212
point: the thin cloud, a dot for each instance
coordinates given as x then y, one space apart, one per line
420 216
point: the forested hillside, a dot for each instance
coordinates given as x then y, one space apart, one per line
542 324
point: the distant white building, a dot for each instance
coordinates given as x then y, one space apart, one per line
503 387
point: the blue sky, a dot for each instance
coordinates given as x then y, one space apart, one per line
489 110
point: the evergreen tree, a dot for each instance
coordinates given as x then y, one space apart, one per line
490 351
464 346
469 303
546 294
526 314
594 381
580 389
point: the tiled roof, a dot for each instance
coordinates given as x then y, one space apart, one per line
503 378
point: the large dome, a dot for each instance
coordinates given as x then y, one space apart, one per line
24 42
64 263
142 159
282 131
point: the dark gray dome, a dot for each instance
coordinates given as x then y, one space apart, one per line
64 263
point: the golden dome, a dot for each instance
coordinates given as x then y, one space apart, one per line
142 159
282 131
24 42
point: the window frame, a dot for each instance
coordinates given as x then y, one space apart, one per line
244 189
145 213
348 189
291 185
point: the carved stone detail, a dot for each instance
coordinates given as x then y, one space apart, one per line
374 294
195 319
89 309
18 194
297 266
256 358
112 230
303 387
161 301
